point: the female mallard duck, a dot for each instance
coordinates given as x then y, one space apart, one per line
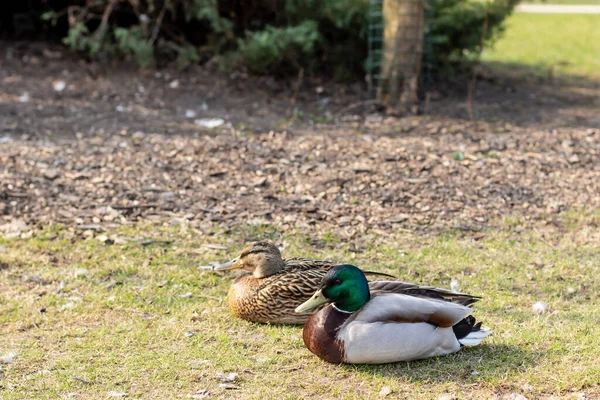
357 328
274 286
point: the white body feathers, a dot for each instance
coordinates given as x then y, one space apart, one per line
396 327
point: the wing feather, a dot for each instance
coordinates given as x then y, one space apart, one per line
393 307
306 264
422 291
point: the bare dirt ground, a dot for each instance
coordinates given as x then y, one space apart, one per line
115 146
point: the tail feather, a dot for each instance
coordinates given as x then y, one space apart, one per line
475 337
378 274
422 291
469 333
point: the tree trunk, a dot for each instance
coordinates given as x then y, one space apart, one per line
402 53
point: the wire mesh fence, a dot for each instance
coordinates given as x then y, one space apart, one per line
375 41
400 56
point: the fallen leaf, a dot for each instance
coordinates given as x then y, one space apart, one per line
454 286
458 156
81 272
215 246
230 377
81 380
228 386
51 174
200 394
513 396
539 307
8 358
209 123
61 286
385 391
15 226
116 394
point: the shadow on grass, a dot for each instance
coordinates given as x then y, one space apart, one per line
523 95
542 73
466 366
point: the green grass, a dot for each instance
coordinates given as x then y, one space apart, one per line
549 44
569 2
125 324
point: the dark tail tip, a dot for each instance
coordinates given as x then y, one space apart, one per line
466 326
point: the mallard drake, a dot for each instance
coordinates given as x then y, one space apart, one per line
388 326
273 286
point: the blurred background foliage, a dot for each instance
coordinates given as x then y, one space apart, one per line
263 36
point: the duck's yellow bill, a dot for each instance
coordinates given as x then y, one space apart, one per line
311 304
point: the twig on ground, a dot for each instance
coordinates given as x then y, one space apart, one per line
473 81
296 90
358 104
205 296
81 380
133 207
149 242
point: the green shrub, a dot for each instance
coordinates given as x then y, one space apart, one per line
458 27
273 46
327 36
133 41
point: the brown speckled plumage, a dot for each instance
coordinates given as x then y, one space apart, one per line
274 298
273 286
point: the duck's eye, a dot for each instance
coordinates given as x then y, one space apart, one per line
337 282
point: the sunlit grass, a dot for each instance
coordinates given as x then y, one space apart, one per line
569 2
143 320
551 44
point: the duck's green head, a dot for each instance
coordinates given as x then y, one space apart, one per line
344 285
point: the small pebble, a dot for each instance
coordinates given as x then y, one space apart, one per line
59 86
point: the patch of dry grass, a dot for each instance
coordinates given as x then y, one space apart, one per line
145 322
